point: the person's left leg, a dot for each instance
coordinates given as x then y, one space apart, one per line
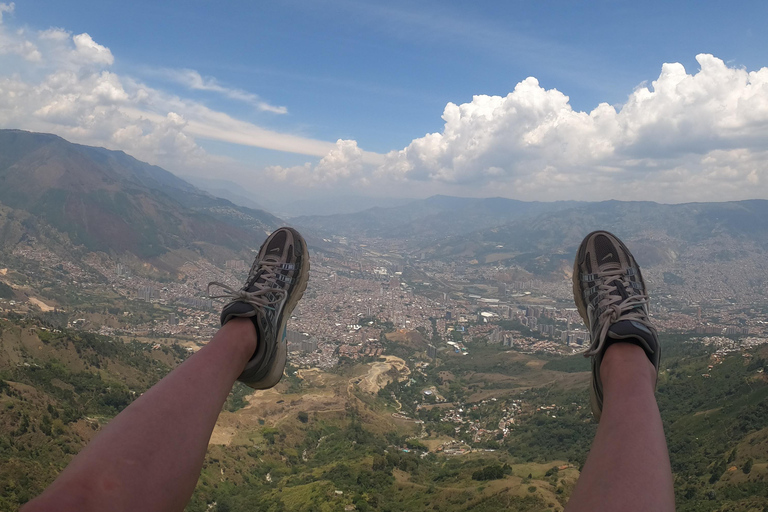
150 455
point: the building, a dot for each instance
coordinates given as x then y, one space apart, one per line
294 336
147 293
308 345
235 264
196 303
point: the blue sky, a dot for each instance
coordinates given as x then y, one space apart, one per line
304 75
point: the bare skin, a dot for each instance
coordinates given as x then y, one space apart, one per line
628 466
150 455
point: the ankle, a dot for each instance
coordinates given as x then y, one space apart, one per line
242 332
626 363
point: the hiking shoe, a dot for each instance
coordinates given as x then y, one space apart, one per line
611 297
276 282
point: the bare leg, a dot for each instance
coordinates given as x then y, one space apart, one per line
150 455
628 466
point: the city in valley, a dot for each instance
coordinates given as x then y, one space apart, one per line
360 294
456 374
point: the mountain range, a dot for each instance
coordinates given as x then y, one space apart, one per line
103 200
108 201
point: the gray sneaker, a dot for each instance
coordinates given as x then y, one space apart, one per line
611 297
276 282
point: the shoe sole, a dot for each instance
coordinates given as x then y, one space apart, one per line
281 355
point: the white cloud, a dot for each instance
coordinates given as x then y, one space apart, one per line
91 51
699 135
686 137
54 34
193 80
344 162
67 87
6 8
25 49
16 45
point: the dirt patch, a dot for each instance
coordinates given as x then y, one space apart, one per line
487 394
42 305
222 435
708 411
498 256
434 444
446 405
413 339
86 428
273 406
379 374
313 376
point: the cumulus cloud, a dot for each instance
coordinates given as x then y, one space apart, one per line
25 49
680 119
343 162
684 137
91 51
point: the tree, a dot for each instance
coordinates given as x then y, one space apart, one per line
747 468
717 471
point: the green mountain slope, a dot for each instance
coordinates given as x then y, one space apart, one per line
108 201
323 443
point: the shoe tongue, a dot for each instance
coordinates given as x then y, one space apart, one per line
632 332
609 266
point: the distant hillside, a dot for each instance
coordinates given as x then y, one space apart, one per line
497 229
109 201
667 227
431 218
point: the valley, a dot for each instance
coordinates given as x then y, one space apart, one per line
434 360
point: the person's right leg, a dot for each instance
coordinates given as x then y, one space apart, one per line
628 466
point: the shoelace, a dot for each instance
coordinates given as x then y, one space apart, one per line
260 298
614 308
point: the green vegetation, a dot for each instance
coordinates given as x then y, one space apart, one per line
61 393
6 292
492 472
236 399
305 459
569 364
